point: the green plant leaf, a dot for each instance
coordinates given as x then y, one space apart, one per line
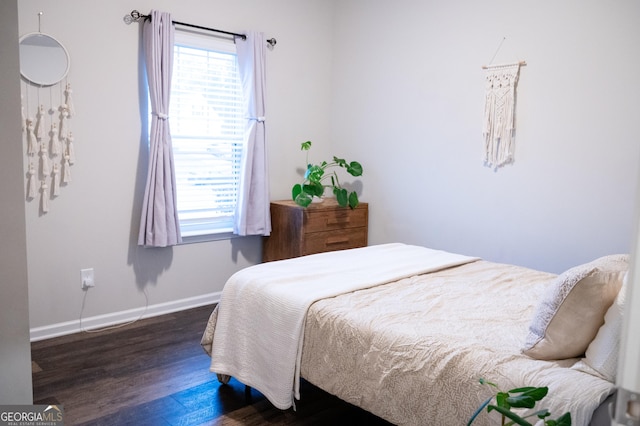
523 389
313 188
486 382
479 410
563 420
314 173
354 169
353 200
341 196
542 413
509 414
303 199
305 146
535 393
501 400
295 191
521 401
528 396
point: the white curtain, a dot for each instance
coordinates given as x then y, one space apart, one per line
252 212
159 226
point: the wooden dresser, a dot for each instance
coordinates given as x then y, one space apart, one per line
321 227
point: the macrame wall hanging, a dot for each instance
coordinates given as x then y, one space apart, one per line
500 113
47 107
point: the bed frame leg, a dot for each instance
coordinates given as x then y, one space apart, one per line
223 378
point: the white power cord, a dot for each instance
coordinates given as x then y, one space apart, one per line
112 327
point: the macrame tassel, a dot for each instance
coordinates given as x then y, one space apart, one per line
31 181
39 131
69 101
71 151
66 170
44 197
499 114
31 137
54 146
24 118
64 114
54 179
45 169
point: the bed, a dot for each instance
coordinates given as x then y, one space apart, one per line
406 332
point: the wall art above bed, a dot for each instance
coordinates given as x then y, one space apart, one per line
499 113
47 108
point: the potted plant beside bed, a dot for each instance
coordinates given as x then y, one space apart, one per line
318 177
525 397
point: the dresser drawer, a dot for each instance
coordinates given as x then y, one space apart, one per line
328 220
320 242
321 227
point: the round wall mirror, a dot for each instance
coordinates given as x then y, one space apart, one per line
43 59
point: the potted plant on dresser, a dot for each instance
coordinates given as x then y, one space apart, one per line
319 177
300 228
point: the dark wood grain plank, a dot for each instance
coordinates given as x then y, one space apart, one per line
154 372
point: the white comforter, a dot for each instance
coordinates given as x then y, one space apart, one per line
412 351
258 334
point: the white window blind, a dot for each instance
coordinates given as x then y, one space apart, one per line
207 125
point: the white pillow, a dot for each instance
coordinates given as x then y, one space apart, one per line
571 312
601 358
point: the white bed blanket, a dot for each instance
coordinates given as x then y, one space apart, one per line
259 327
412 351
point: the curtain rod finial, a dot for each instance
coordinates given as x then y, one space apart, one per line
134 16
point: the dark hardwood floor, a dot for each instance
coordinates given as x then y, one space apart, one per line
154 372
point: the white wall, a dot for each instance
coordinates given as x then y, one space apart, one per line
397 85
408 95
94 221
15 350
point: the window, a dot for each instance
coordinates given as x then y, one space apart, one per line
207 127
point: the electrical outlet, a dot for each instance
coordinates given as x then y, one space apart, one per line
86 278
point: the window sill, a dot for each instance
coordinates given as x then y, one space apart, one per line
203 238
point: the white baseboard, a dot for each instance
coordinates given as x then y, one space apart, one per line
101 321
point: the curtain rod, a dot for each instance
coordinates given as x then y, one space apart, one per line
135 16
